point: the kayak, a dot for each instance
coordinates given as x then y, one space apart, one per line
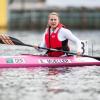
26 60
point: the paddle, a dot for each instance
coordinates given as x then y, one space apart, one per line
18 42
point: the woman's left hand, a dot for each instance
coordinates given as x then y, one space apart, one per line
79 53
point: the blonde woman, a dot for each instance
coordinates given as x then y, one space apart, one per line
57 36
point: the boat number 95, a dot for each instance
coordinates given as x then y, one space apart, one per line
15 60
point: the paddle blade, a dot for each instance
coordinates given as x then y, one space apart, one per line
16 41
10 40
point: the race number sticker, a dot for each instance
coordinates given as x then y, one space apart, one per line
84 47
15 60
53 61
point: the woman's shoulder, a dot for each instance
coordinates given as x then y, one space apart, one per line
63 30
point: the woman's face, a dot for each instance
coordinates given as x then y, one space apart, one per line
53 21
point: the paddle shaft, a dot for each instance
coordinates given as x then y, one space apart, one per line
18 42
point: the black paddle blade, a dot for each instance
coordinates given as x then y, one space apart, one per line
18 42
14 40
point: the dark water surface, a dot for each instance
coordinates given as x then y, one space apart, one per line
79 83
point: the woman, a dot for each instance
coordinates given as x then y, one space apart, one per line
56 36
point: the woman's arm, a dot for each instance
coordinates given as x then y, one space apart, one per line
67 34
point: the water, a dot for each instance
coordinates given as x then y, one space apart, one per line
79 83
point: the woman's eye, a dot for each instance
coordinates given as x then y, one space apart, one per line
53 19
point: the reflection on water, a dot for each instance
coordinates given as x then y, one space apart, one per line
79 83
42 84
